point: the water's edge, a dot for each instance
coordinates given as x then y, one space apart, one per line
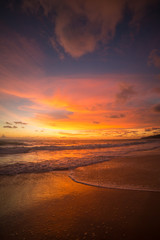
113 186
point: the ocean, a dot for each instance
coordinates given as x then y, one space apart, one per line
35 170
45 155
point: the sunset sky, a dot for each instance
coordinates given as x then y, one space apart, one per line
79 68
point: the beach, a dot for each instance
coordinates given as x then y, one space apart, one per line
79 120
52 206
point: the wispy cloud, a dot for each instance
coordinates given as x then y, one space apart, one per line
19 55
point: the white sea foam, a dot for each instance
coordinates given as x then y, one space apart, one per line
48 165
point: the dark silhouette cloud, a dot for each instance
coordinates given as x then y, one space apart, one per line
8 126
79 26
156 108
148 129
8 123
126 93
21 123
154 58
117 115
95 122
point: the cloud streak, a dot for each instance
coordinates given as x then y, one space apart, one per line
19 55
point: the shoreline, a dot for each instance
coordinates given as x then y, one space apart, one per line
136 173
113 188
51 206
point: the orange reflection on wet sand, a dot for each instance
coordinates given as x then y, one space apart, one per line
24 191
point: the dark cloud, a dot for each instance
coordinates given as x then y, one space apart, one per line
55 45
152 129
148 129
154 58
117 116
126 93
21 123
8 123
79 26
134 132
156 132
8 126
156 108
95 122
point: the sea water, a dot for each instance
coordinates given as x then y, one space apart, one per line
19 156
42 155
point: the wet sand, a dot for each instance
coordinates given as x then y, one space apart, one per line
52 206
130 173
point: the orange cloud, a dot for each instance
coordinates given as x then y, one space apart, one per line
81 103
96 22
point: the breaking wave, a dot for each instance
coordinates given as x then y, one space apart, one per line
26 149
49 165
35 157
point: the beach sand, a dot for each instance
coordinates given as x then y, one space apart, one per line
52 206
